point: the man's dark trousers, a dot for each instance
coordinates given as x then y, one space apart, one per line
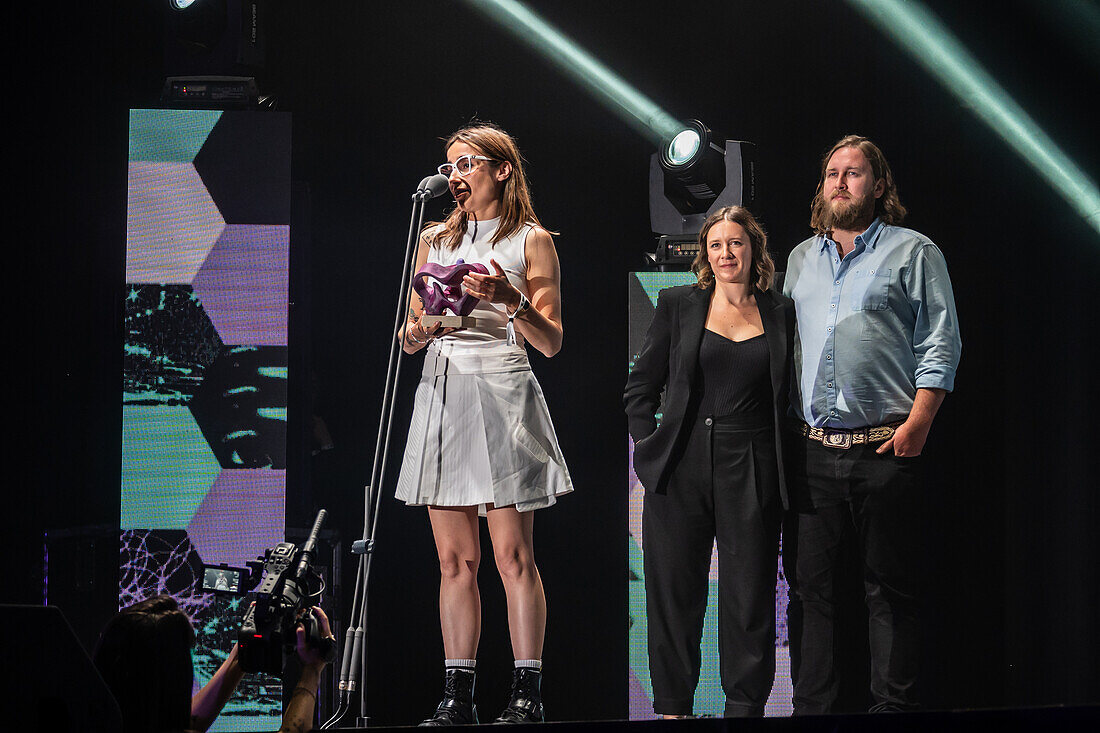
876 497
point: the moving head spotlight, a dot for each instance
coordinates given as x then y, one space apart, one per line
693 175
214 53
694 169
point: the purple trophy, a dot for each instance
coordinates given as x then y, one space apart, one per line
445 293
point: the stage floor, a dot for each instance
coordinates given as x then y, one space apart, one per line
1058 718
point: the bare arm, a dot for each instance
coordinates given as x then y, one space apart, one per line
541 324
298 717
908 440
208 702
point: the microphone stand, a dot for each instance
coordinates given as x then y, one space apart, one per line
353 667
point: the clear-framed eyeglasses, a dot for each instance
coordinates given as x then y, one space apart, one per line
463 165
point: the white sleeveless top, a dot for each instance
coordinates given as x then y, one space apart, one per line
476 246
480 432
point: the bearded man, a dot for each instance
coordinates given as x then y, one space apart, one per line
876 351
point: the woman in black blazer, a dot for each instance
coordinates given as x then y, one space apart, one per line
719 351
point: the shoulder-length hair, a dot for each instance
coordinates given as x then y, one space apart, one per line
516 208
887 206
144 655
762 269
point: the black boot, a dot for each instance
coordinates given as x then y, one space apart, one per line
458 706
526 703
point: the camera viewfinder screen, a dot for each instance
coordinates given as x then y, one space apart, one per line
226 580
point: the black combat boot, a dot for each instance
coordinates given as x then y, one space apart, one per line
458 706
526 703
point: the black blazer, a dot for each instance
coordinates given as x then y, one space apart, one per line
669 362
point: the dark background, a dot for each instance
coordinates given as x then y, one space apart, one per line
1011 546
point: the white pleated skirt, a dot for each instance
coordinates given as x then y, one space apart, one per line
480 432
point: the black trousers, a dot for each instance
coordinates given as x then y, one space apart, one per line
876 497
726 486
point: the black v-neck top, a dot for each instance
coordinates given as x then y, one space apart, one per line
733 375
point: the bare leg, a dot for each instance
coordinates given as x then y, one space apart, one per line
512 533
456 541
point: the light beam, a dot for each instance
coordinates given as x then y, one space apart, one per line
927 40
631 105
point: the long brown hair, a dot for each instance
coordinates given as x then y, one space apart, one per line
762 269
515 205
887 206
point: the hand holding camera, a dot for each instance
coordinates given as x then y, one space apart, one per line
315 643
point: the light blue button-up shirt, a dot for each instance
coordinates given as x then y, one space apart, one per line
873 327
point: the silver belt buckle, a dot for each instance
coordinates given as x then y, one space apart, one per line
837 439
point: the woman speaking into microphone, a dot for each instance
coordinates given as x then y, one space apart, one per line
481 441
719 351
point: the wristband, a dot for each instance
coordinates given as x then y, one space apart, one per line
523 307
510 329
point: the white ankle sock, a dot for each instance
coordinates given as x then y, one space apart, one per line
535 664
467 665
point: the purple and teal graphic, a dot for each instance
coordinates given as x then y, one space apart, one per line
709 697
205 368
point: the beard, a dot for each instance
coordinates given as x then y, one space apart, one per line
850 214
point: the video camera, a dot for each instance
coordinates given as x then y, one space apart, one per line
290 586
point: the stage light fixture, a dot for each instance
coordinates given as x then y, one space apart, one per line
690 176
694 169
214 53
693 174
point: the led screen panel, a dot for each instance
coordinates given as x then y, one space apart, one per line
205 369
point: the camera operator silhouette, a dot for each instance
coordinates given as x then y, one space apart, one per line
144 655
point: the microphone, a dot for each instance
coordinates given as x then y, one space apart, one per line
432 186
